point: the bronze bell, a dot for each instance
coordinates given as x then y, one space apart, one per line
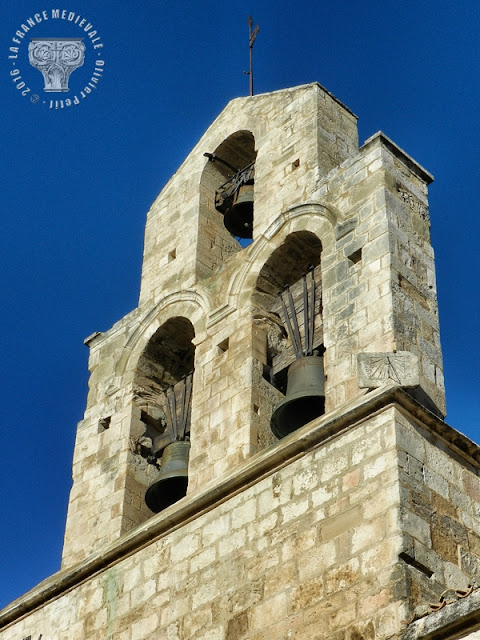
239 218
305 397
173 479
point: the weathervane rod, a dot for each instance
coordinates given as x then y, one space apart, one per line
251 39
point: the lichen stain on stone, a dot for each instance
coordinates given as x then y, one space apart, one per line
237 627
110 596
365 632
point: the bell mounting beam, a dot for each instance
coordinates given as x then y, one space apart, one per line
177 413
290 320
212 157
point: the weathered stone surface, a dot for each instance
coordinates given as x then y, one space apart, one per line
341 529
401 367
240 571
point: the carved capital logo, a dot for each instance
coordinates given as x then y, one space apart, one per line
56 59
62 42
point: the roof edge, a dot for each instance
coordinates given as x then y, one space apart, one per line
454 620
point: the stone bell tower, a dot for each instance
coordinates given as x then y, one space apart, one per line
367 506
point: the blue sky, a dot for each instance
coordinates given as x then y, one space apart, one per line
77 183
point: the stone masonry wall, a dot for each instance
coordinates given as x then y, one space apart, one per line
332 545
377 295
302 124
366 520
380 290
308 552
230 414
440 498
226 428
110 476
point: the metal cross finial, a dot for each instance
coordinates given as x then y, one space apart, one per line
251 39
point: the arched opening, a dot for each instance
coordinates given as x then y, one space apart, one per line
228 169
234 196
295 266
165 362
286 265
168 356
162 397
